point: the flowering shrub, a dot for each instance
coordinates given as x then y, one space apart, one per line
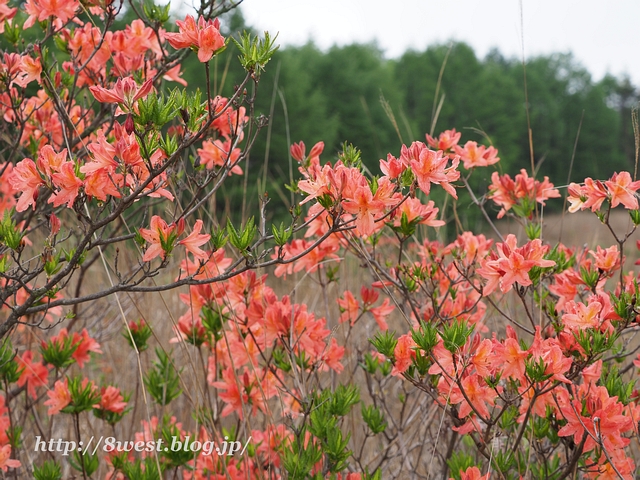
508 358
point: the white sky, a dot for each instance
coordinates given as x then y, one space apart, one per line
603 36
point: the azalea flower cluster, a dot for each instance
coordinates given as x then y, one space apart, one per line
254 321
521 346
523 192
447 291
61 351
555 376
240 323
203 36
369 204
618 190
112 168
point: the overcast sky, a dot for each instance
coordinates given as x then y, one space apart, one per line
603 36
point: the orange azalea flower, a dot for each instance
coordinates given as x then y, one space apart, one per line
381 312
25 178
111 399
431 167
622 190
333 355
59 397
392 167
364 207
607 259
611 423
507 192
472 473
446 141
86 344
473 155
30 69
49 162
349 307
414 209
510 357
298 152
204 36
158 236
404 354
33 374
41 10
68 184
580 317
174 75
479 394
512 264
221 154
194 240
5 459
6 13
125 92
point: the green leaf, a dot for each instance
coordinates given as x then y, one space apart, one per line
163 381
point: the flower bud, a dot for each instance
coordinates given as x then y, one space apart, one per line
180 226
129 125
54 224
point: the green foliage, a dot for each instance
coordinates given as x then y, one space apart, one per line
281 235
255 52
241 239
455 335
49 470
212 321
534 230
535 370
84 462
9 369
503 460
12 32
459 462
615 385
162 381
299 458
52 263
156 13
219 238
426 337
549 471
370 364
10 234
350 156
142 469
407 228
624 304
192 109
589 277
59 352
344 397
385 343
594 342
174 457
157 110
327 409
374 419
84 395
140 334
